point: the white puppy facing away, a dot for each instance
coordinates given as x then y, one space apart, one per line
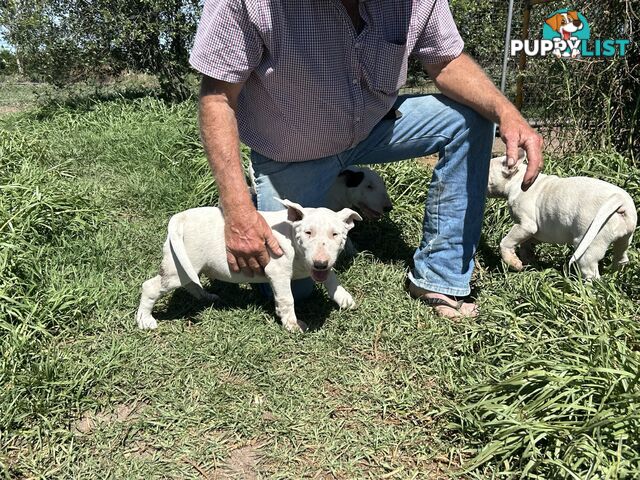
362 188
311 239
587 213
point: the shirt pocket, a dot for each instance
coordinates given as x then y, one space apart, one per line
386 65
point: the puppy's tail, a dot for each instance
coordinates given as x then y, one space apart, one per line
186 272
603 214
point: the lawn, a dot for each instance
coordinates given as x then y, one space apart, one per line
544 384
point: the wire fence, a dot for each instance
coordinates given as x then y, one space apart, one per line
576 103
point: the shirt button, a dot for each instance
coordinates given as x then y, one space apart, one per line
357 119
358 45
355 81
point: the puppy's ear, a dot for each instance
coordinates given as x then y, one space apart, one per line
348 216
573 15
295 212
352 179
554 22
510 171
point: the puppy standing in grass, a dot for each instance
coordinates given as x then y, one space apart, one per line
310 239
588 213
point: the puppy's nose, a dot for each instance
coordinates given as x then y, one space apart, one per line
320 264
577 23
388 208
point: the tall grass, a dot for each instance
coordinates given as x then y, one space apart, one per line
553 389
543 385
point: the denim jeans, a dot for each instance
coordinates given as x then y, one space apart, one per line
443 262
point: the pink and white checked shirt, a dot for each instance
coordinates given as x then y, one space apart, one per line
314 86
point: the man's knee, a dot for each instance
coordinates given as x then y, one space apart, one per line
464 119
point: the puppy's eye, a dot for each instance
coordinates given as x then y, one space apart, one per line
308 233
335 234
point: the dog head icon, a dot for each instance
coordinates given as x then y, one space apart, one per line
565 23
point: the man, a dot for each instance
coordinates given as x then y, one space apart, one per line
312 87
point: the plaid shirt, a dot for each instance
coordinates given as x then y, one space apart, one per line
314 86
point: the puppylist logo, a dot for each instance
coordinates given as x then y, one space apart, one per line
566 33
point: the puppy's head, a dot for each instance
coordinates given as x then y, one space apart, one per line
366 191
501 175
319 235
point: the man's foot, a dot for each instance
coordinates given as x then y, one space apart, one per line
444 305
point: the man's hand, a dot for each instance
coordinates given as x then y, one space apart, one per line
246 233
248 236
464 81
516 133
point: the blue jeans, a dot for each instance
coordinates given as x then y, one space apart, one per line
443 262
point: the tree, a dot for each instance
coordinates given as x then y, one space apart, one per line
63 41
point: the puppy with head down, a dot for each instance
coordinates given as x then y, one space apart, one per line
584 212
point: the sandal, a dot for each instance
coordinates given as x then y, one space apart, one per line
445 307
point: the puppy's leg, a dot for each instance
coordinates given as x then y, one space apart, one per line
620 247
588 262
152 290
337 293
516 236
283 298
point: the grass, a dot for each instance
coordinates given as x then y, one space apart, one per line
17 94
543 385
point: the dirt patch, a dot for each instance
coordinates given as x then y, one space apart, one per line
243 463
123 412
8 109
140 449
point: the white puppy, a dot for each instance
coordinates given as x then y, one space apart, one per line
311 239
587 213
362 188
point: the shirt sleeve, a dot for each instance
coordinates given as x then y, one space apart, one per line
227 45
440 40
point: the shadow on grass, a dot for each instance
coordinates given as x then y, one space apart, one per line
181 305
383 239
84 97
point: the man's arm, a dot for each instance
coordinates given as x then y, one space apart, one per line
247 234
462 80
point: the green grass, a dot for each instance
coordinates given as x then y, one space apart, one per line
543 385
17 94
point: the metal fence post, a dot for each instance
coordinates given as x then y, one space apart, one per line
522 60
507 41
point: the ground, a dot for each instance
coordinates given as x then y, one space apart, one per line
543 383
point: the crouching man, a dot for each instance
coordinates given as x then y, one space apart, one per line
312 88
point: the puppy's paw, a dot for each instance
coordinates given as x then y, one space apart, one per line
293 325
510 258
344 299
146 322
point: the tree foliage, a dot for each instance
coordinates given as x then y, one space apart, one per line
62 41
